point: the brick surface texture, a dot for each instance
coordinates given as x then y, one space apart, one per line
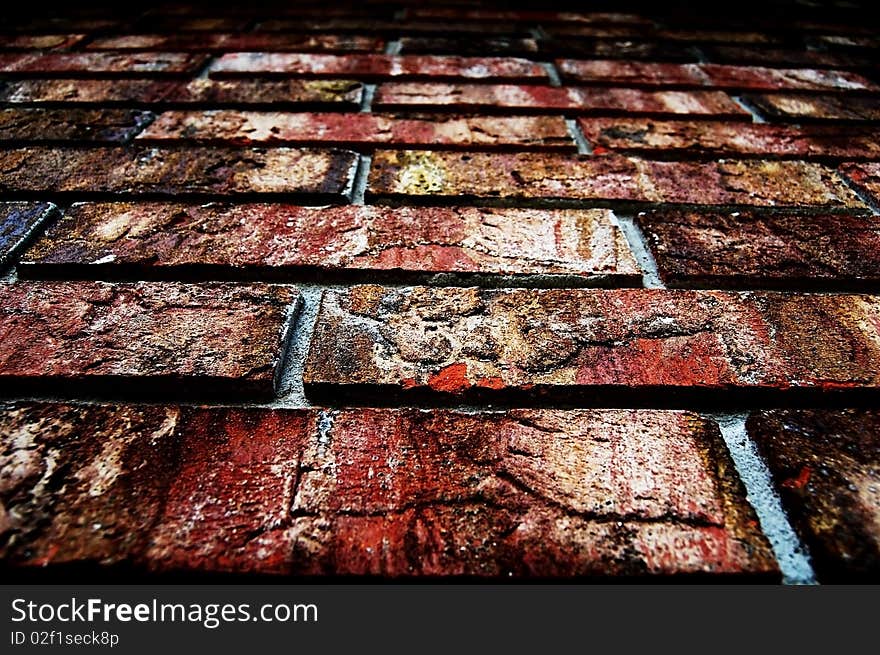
457 290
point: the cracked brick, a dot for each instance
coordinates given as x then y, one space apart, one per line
79 125
533 98
90 64
826 467
378 67
152 237
157 338
520 493
705 138
475 345
413 176
360 130
751 249
18 222
321 174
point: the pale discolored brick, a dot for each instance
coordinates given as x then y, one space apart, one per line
360 130
590 345
161 338
779 106
320 174
150 238
413 176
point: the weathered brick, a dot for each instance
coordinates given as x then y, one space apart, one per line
323 174
393 27
750 249
522 493
634 32
253 41
487 98
493 15
40 41
107 125
193 23
418 175
161 337
130 64
714 138
590 345
584 245
617 49
377 67
631 73
866 178
784 57
731 78
18 222
826 466
468 46
360 130
825 108
849 41
341 94
59 24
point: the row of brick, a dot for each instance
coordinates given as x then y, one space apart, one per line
578 247
442 344
520 493
416 176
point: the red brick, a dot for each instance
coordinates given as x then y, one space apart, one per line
61 24
866 178
631 73
40 41
18 222
819 108
702 36
617 49
755 78
522 493
706 138
732 78
263 42
598 346
534 99
159 337
784 57
322 174
342 94
634 32
80 64
101 125
415 176
750 249
468 46
377 67
391 27
150 237
826 466
493 15
361 130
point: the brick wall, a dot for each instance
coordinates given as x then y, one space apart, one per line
407 290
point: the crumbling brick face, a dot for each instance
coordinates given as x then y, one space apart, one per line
406 290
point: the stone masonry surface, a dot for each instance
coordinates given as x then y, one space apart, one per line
457 289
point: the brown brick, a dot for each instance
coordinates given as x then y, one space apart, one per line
338 94
150 238
196 24
164 338
545 99
631 73
377 67
601 346
784 57
823 108
617 49
761 250
101 125
253 41
415 176
86 64
849 41
493 15
522 493
361 130
323 174
18 222
393 28
40 41
826 466
866 178
468 46
756 78
706 138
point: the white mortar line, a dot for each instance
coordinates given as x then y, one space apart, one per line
756 117
369 91
291 393
580 140
642 251
552 73
791 554
361 175
392 47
